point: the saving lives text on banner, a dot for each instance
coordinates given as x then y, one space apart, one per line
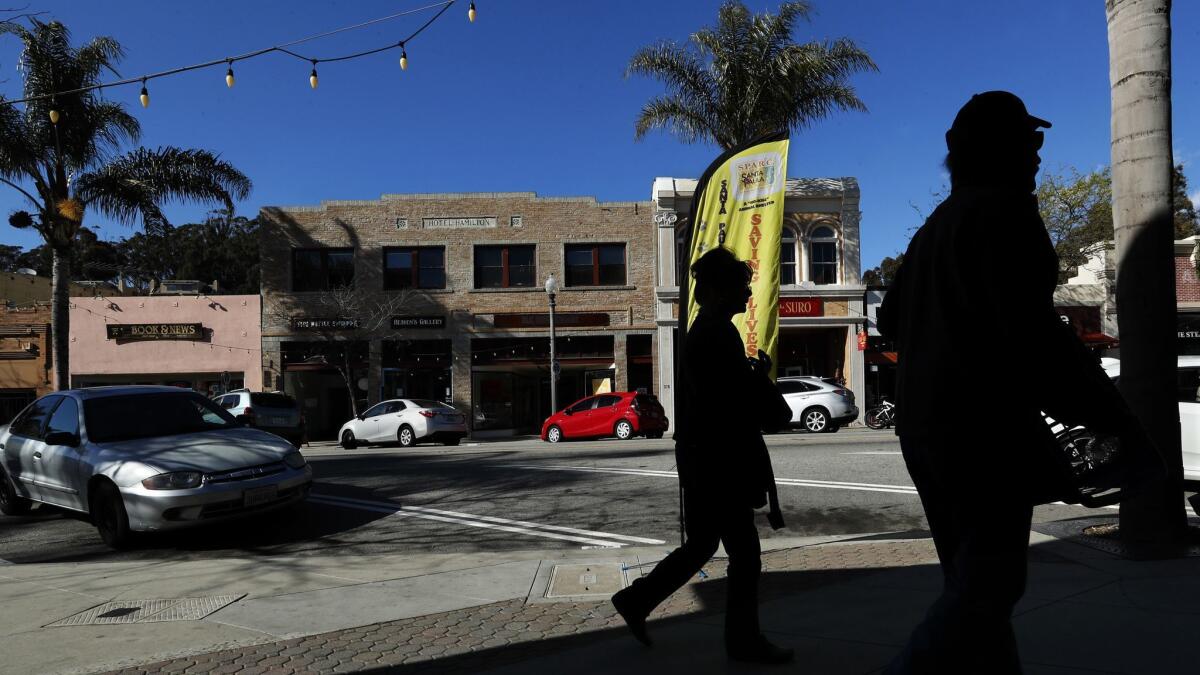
741 208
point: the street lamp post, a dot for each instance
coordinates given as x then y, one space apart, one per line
551 290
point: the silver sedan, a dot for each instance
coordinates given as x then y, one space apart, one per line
139 458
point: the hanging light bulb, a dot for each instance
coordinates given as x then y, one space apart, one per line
145 96
471 13
403 57
53 116
312 77
229 75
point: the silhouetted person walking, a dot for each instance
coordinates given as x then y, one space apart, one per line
982 266
723 464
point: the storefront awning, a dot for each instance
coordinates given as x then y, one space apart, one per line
881 358
1098 339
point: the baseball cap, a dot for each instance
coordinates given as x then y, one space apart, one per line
993 112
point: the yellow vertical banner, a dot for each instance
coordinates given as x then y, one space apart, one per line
740 205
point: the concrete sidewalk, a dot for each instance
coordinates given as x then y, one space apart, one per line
846 604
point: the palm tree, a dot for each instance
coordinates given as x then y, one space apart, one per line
746 77
65 167
1153 522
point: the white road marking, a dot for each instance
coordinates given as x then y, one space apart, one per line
794 482
873 452
601 539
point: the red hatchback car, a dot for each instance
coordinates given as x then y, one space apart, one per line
623 414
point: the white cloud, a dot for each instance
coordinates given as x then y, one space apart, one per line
1195 198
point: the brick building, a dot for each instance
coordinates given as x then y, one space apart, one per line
448 303
26 365
821 293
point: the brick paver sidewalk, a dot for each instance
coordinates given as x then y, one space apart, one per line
469 640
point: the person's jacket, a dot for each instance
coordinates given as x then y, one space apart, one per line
727 405
979 343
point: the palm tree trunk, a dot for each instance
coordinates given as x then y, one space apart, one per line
1153 521
60 316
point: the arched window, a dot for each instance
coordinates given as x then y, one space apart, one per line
822 255
787 257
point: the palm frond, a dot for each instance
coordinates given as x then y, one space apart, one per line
140 182
745 76
678 116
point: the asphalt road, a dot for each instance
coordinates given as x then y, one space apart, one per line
516 495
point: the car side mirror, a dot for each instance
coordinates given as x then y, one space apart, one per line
568 412
62 438
361 416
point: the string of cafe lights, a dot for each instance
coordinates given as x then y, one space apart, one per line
144 95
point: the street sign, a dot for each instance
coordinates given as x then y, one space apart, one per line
556 368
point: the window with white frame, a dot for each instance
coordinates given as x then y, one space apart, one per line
787 257
823 255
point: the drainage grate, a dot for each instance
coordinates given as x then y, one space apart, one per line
600 579
148 611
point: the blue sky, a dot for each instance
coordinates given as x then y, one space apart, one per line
533 95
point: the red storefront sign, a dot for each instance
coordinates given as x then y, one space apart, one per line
801 307
862 340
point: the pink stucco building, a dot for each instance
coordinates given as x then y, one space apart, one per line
207 343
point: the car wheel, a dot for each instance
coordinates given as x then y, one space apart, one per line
12 504
348 441
623 430
452 441
554 434
406 436
109 516
654 434
816 420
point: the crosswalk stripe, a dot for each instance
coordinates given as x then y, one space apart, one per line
605 539
793 482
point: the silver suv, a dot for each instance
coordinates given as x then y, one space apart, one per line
818 404
274 411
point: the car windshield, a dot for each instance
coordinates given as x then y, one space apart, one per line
426 403
272 400
122 418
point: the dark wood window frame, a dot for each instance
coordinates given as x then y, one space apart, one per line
505 281
595 249
415 269
324 271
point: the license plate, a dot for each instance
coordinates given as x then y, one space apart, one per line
261 495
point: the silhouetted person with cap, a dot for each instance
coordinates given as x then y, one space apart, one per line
982 353
723 464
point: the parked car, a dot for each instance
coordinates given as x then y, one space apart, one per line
818 404
144 458
623 414
1187 388
406 421
275 412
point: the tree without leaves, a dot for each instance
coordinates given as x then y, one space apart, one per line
745 77
371 312
64 169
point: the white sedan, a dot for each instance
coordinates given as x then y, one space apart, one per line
406 421
1187 386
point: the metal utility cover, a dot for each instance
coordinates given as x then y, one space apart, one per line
586 579
148 611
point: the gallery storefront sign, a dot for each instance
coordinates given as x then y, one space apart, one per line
324 324
155 331
430 322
